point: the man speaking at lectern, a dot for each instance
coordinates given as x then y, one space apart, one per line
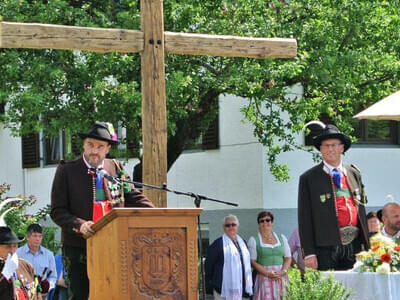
81 195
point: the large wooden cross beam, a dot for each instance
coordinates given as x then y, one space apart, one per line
152 42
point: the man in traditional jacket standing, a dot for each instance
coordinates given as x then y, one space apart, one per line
80 196
331 207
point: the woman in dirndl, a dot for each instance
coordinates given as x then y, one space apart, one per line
270 257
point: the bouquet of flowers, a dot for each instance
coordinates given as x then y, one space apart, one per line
383 257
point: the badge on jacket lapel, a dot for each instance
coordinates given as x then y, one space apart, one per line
357 194
325 197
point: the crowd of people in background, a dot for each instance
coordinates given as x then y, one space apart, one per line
229 262
235 269
30 272
257 269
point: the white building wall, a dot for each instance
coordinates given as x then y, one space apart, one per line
11 171
232 173
38 183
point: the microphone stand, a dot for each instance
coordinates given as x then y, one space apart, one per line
197 202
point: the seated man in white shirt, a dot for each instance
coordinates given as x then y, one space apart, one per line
391 221
40 257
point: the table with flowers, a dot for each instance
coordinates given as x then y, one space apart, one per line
370 285
376 274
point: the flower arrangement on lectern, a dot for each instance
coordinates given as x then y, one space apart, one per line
383 257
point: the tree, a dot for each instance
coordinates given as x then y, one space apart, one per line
348 57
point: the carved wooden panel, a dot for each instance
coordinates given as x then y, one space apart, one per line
192 266
159 261
123 248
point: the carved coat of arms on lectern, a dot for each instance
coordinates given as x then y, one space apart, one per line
159 261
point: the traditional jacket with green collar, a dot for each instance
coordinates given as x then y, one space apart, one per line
317 215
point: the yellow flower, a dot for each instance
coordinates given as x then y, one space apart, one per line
380 252
381 241
363 255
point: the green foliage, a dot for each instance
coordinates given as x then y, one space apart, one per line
348 58
314 286
18 221
49 241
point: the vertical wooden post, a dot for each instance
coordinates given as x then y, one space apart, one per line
154 117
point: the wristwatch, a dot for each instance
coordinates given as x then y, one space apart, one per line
284 270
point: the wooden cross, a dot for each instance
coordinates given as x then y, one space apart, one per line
152 42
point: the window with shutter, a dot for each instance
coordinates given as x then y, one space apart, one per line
132 144
54 148
366 131
376 132
207 141
76 145
30 151
210 139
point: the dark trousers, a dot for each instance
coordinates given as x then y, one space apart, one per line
340 257
74 260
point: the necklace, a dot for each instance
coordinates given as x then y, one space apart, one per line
269 238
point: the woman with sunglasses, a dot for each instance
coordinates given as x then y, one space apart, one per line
227 266
270 257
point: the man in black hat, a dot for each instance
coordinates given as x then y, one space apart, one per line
80 196
17 275
331 207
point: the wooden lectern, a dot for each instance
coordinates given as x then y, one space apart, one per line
144 253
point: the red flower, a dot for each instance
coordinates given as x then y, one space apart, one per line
397 248
385 258
375 248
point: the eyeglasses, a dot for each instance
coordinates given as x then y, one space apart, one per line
334 146
264 220
230 225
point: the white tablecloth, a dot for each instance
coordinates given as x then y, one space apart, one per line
370 286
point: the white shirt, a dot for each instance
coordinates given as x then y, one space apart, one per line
392 237
252 245
89 166
42 260
339 168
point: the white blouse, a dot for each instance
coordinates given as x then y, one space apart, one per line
252 245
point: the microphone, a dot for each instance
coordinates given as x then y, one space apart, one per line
103 173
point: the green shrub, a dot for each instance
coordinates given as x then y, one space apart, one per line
314 286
